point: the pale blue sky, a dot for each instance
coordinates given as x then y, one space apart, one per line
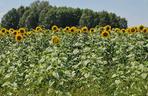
136 11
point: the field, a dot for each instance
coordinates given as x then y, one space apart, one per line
101 61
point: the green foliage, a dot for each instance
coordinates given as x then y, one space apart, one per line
11 19
22 21
42 13
81 65
32 20
87 18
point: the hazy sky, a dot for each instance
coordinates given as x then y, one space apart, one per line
136 11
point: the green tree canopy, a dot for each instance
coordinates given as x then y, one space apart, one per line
42 13
11 19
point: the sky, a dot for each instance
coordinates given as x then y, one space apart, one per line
135 11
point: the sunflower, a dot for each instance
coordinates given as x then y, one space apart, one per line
92 30
107 28
132 30
128 30
11 30
145 30
3 30
73 29
140 28
136 29
67 29
84 29
7 32
105 34
101 29
79 30
15 32
1 34
55 28
55 40
22 30
123 30
18 37
38 29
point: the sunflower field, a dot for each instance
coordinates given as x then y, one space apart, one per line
74 61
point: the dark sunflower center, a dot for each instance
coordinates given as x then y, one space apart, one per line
72 30
144 30
141 28
3 31
22 31
38 29
55 40
84 29
14 33
19 37
105 34
107 28
55 28
123 30
92 30
133 30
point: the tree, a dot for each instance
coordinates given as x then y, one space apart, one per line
122 23
11 19
104 18
22 20
50 18
42 13
32 20
21 11
42 16
86 18
114 20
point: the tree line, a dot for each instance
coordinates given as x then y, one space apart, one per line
42 13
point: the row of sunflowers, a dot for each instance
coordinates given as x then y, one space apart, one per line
105 31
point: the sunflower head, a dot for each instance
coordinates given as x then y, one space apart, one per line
22 30
11 30
128 30
18 37
67 29
107 28
136 29
84 29
101 29
7 32
15 32
55 40
132 30
1 34
38 29
123 30
145 30
92 30
55 28
105 34
79 30
4 30
73 29
140 28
